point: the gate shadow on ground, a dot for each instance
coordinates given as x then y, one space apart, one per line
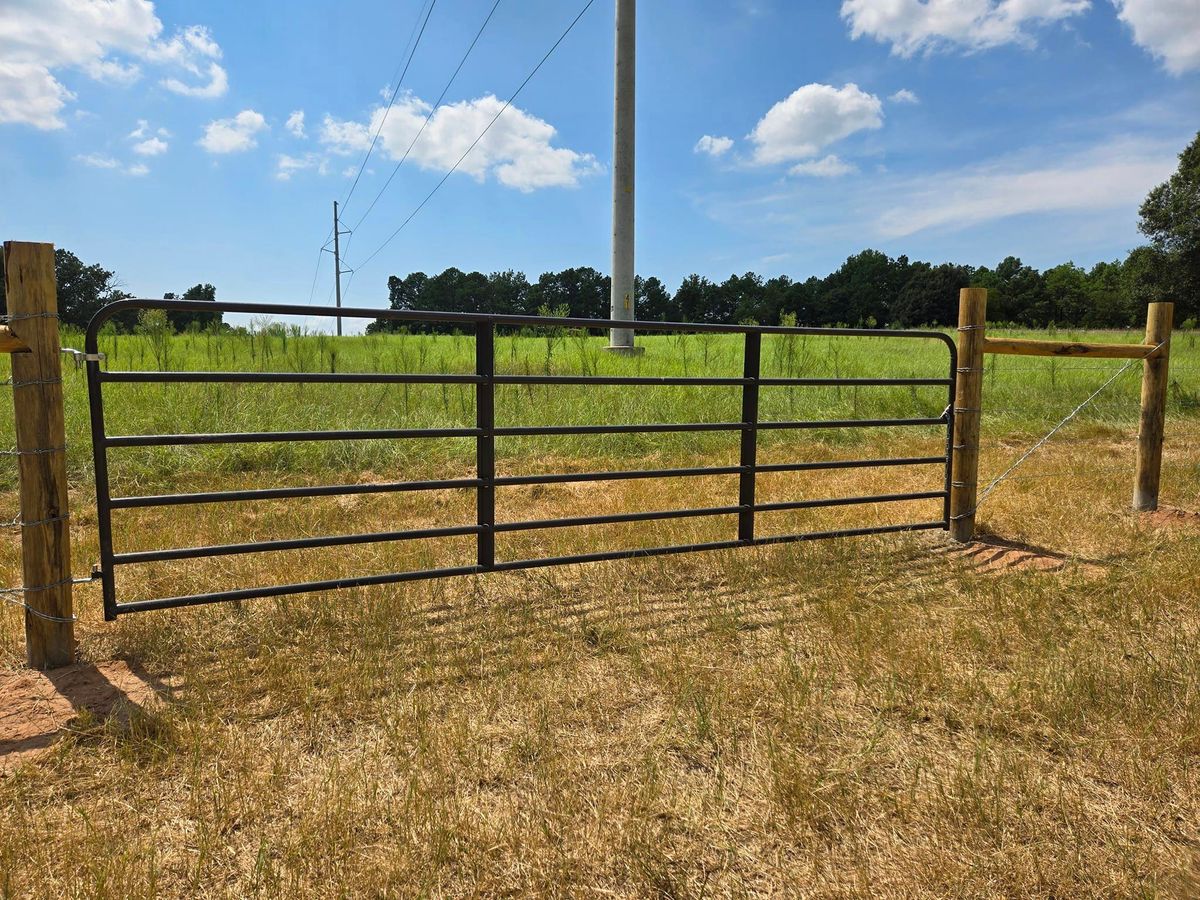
535 621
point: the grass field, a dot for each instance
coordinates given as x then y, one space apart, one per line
867 717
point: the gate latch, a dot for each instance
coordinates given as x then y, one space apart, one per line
80 357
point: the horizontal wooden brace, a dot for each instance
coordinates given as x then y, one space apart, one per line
10 343
1022 347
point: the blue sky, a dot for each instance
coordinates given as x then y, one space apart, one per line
161 140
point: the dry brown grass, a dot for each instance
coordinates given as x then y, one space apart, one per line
852 718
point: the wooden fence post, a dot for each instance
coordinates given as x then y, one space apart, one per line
1159 320
968 401
41 454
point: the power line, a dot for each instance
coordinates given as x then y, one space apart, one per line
475 143
395 93
316 272
433 109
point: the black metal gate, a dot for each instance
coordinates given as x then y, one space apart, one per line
485 528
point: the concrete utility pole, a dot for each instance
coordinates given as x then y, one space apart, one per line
621 339
337 263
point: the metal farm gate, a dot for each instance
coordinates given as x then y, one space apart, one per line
485 432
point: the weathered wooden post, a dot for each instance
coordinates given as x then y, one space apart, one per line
1159 320
41 453
968 402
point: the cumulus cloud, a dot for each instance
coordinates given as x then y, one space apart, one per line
812 118
105 40
517 152
150 147
713 146
827 167
138 169
913 26
216 86
904 95
233 135
295 124
1168 29
1115 176
287 166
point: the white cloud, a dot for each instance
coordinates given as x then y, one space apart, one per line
233 135
150 147
1168 29
287 166
105 40
828 167
812 118
218 84
97 161
1115 176
31 95
517 151
904 95
295 123
713 146
913 26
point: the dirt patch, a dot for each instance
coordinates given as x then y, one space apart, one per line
1171 517
996 556
35 706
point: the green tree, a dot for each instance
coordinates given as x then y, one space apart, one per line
1170 218
82 289
1066 294
654 301
509 293
696 300
930 297
188 319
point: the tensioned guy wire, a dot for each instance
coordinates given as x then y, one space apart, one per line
999 479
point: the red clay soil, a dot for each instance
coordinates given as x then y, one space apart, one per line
1170 517
36 706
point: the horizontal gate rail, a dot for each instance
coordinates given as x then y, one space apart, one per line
343 540
485 434
150 377
287 493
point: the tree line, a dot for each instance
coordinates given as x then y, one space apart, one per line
84 289
871 288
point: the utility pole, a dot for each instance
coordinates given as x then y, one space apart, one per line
623 271
337 263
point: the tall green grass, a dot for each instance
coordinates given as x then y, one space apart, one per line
1023 396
